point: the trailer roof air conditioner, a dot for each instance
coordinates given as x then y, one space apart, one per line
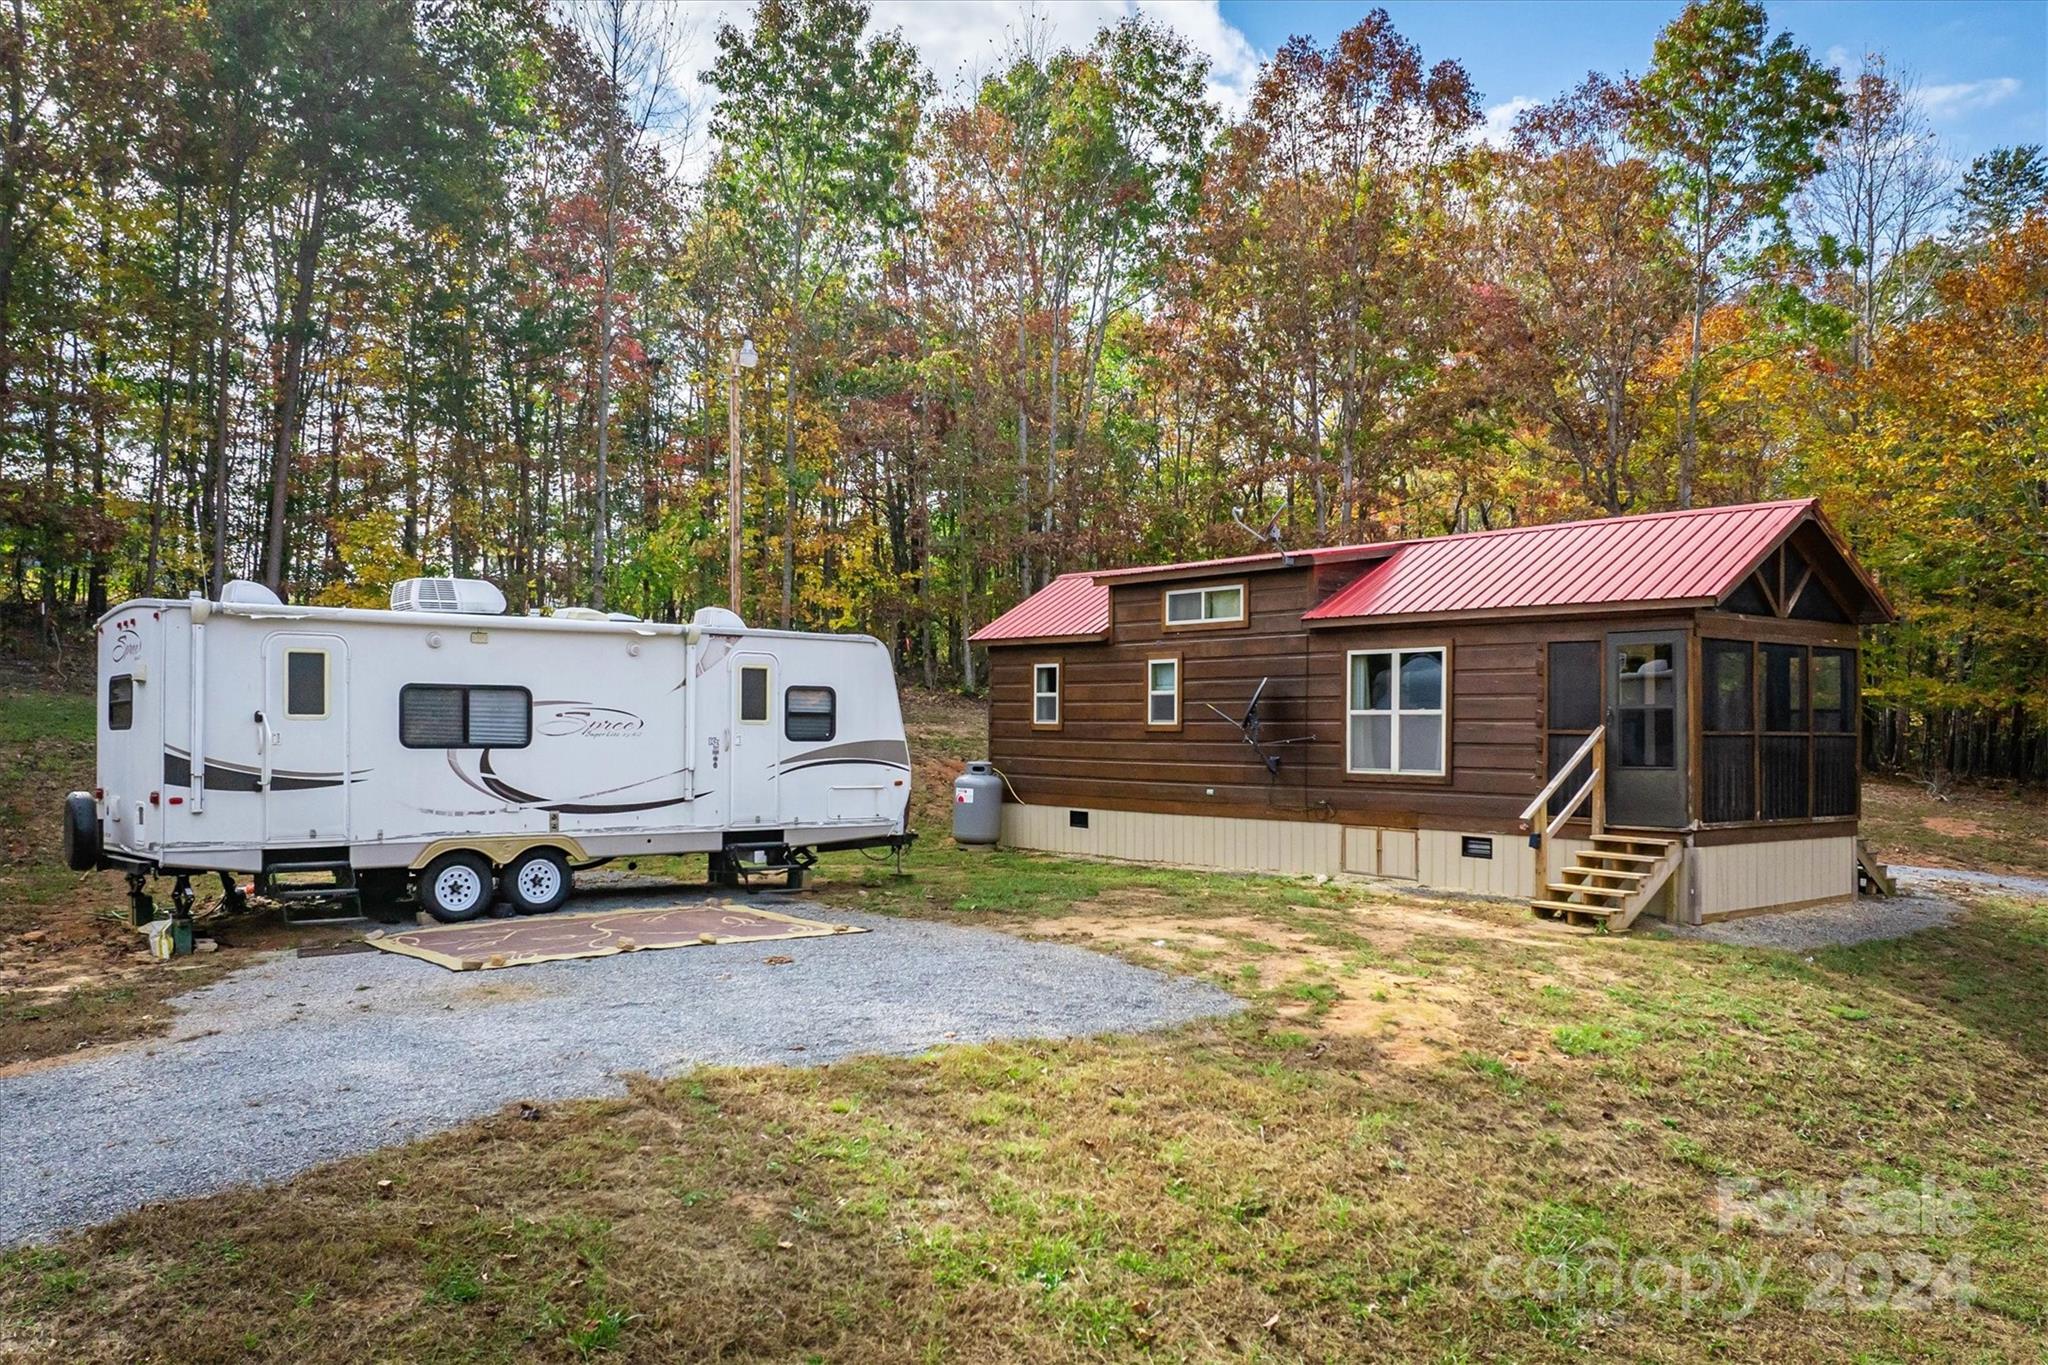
717 618
468 596
249 594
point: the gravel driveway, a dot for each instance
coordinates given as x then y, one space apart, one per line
297 1061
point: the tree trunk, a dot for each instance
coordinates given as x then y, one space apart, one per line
217 452
789 486
285 429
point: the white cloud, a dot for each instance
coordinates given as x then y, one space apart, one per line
962 40
1499 126
1966 97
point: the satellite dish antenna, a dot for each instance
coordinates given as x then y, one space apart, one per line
1250 726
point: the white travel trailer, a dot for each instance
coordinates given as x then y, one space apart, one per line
467 755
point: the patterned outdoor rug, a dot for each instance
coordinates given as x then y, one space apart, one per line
486 944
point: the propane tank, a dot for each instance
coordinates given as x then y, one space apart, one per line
978 806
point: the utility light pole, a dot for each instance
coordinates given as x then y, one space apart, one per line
742 356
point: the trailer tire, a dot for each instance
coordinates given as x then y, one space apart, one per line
456 887
537 881
81 832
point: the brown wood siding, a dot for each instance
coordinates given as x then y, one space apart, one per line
1105 758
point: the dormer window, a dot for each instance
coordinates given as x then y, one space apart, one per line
1188 608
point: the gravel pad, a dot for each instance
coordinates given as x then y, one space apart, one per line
297 1061
1828 926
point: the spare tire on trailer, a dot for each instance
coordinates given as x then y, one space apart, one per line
81 832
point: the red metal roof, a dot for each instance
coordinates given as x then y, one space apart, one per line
1076 605
1696 555
1072 606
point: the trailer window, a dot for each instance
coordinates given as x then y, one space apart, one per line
305 683
754 694
432 716
121 702
810 713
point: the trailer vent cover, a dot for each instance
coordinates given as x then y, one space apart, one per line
467 596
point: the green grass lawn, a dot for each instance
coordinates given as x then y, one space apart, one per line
1441 1130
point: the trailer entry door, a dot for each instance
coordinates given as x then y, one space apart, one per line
302 739
756 742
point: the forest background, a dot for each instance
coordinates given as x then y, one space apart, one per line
328 295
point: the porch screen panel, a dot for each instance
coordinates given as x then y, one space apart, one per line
1786 753
1834 732
1728 722
1572 708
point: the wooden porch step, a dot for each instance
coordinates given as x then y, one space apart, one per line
1586 855
1632 841
1554 908
1872 874
1570 889
1627 873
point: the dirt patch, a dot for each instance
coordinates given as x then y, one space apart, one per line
1951 828
1317 988
1407 1030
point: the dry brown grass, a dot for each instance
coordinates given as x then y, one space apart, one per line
1986 828
1278 1187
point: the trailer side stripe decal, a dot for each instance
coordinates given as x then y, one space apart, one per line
893 752
230 777
836 762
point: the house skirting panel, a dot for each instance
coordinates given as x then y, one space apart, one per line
1733 879
1440 859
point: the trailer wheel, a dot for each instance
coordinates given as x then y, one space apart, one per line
536 882
456 887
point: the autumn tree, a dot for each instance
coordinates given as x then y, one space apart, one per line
1876 199
1734 119
2000 189
814 125
1320 243
1585 284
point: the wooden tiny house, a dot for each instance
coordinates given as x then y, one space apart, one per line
1649 712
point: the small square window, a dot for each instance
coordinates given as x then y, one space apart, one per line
809 713
1162 693
1045 696
754 694
121 702
305 683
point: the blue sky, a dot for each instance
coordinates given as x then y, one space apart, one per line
1982 64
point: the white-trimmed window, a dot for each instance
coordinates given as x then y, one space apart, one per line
1162 693
1395 711
1218 606
305 683
1045 696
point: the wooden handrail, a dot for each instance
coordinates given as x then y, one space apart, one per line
1550 787
1536 816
